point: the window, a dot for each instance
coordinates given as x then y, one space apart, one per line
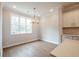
20 24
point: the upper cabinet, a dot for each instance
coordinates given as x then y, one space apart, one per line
71 17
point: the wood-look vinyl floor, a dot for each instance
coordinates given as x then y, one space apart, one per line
33 49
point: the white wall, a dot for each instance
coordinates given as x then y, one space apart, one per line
0 29
50 27
11 40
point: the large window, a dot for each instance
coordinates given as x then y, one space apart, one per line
20 24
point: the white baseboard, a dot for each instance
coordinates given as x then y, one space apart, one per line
19 43
51 42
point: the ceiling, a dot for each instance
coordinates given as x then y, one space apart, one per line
42 8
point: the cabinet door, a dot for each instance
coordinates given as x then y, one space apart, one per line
68 19
71 18
76 18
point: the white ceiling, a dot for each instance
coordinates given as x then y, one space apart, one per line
42 8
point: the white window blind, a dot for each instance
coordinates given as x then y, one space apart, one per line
20 24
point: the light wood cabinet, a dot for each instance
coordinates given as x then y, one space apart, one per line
71 18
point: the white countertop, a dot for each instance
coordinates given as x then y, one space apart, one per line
68 48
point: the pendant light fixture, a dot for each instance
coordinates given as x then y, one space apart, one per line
35 19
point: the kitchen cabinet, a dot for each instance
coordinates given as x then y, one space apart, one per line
71 18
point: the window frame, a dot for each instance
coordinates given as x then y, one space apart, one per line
19 17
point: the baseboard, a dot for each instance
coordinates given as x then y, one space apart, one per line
50 42
6 46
